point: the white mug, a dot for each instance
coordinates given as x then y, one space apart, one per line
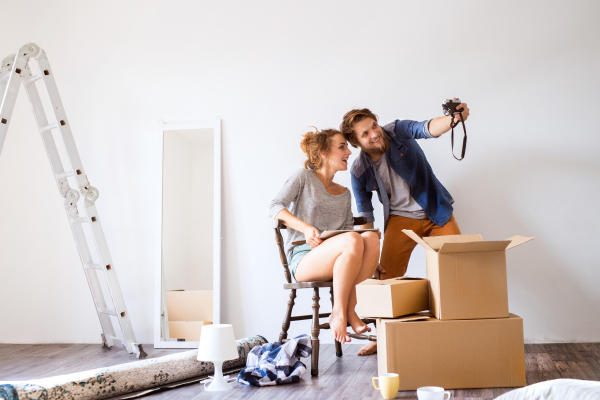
432 393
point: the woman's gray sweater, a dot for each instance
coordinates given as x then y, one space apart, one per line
304 195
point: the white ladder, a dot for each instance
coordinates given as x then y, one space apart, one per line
14 69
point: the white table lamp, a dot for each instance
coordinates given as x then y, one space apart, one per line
217 344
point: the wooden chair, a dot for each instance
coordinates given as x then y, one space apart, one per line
316 325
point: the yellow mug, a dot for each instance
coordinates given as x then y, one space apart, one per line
388 385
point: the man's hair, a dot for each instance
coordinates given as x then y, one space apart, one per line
352 117
313 143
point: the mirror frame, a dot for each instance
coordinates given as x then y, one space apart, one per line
215 124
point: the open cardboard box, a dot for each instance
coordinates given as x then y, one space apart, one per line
188 311
458 354
467 275
392 298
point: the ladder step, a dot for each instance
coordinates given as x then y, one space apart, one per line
65 174
34 78
107 311
4 77
50 127
94 266
79 219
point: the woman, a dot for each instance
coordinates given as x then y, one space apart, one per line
309 203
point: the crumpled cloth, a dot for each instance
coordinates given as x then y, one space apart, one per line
274 364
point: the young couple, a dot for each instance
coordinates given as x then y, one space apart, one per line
391 163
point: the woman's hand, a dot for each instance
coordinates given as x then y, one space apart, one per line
378 271
312 236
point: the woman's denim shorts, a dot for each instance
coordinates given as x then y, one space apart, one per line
297 254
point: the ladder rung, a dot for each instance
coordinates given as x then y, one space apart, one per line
49 127
94 266
64 174
79 219
34 78
107 311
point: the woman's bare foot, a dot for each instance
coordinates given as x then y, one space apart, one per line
357 324
367 349
338 325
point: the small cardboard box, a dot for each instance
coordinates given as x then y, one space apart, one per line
458 354
392 298
188 311
467 275
189 331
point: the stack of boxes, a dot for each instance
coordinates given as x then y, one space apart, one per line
468 339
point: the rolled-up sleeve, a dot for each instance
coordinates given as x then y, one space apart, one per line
413 129
364 206
288 193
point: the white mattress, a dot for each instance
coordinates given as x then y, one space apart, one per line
557 389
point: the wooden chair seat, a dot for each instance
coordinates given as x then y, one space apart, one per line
307 285
316 325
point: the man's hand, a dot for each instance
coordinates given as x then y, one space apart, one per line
312 236
378 271
464 111
440 125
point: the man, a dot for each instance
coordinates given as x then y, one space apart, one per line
392 163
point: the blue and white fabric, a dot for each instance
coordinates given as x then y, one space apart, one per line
276 364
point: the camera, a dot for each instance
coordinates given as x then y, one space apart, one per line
449 106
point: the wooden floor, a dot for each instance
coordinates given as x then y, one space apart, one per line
348 377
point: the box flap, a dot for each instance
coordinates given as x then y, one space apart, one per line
474 246
518 240
437 241
391 281
413 317
417 239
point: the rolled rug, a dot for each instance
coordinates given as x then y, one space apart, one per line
120 379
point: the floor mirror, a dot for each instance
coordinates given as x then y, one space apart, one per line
188 260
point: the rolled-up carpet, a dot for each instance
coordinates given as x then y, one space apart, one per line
124 378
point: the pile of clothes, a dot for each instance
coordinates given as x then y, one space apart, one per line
276 364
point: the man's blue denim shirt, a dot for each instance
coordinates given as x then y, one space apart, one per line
408 160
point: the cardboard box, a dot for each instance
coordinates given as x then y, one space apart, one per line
467 275
392 298
189 331
188 311
458 354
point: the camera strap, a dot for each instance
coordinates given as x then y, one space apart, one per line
464 146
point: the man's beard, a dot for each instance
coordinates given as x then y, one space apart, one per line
385 145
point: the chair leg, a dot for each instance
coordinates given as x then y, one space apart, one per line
314 371
288 316
338 345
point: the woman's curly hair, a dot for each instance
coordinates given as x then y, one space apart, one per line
313 143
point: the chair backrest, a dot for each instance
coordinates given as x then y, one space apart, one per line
278 225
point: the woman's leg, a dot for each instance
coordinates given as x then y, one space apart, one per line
369 263
340 259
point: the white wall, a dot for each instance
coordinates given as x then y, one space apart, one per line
271 69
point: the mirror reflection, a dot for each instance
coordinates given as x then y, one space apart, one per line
187 231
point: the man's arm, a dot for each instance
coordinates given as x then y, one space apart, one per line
440 125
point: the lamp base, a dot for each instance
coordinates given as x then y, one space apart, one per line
219 383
